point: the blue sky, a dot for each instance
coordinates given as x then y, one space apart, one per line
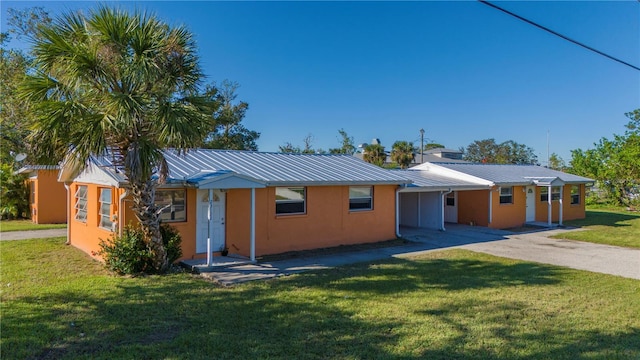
462 71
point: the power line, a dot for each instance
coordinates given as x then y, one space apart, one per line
558 34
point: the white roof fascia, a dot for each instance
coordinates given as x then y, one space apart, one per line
440 170
445 188
94 174
335 183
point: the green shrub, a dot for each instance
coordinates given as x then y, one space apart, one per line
172 242
129 254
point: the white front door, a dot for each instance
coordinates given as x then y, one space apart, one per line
531 204
216 226
451 208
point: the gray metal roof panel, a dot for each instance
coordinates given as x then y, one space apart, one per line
271 168
512 174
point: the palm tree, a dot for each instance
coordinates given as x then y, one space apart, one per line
402 153
110 80
374 154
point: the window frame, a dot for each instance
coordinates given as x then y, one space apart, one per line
508 196
576 195
80 204
291 201
450 196
171 205
105 219
355 200
555 193
32 192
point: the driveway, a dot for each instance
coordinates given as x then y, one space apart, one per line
535 246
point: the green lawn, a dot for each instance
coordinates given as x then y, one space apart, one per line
607 225
21 225
59 304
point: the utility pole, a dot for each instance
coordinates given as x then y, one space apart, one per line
421 146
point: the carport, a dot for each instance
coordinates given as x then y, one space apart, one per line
431 199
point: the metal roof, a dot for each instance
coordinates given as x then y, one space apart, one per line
270 169
425 180
513 174
30 168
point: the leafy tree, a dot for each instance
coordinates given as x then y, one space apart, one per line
14 193
402 153
307 149
430 146
289 148
614 164
374 154
348 145
126 82
556 162
228 132
508 152
15 113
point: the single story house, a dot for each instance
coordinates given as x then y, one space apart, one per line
251 203
47 196
496 196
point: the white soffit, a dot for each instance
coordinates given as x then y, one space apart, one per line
93 174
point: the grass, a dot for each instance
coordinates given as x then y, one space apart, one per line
607 225
59 304
22 225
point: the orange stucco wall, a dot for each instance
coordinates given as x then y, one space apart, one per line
509 215
569 211
327 222
473 207
86 235
50 205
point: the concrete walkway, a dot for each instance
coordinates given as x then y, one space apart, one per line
533 246
32 234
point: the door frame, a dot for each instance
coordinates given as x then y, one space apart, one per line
530 206
214 226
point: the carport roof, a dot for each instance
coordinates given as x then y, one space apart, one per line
424 180
513 174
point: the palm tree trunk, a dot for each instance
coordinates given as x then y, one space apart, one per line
145 210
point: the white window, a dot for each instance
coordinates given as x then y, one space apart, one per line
361 198
506 195
105 209
172 205
451 199
290 200
81 203
575 194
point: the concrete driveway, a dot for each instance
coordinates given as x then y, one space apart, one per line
535 246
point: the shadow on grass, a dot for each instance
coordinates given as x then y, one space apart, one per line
605 218
508 323
302 317
400 275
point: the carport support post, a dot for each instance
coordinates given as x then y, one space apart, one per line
560 205
252 235
209 260
549 207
